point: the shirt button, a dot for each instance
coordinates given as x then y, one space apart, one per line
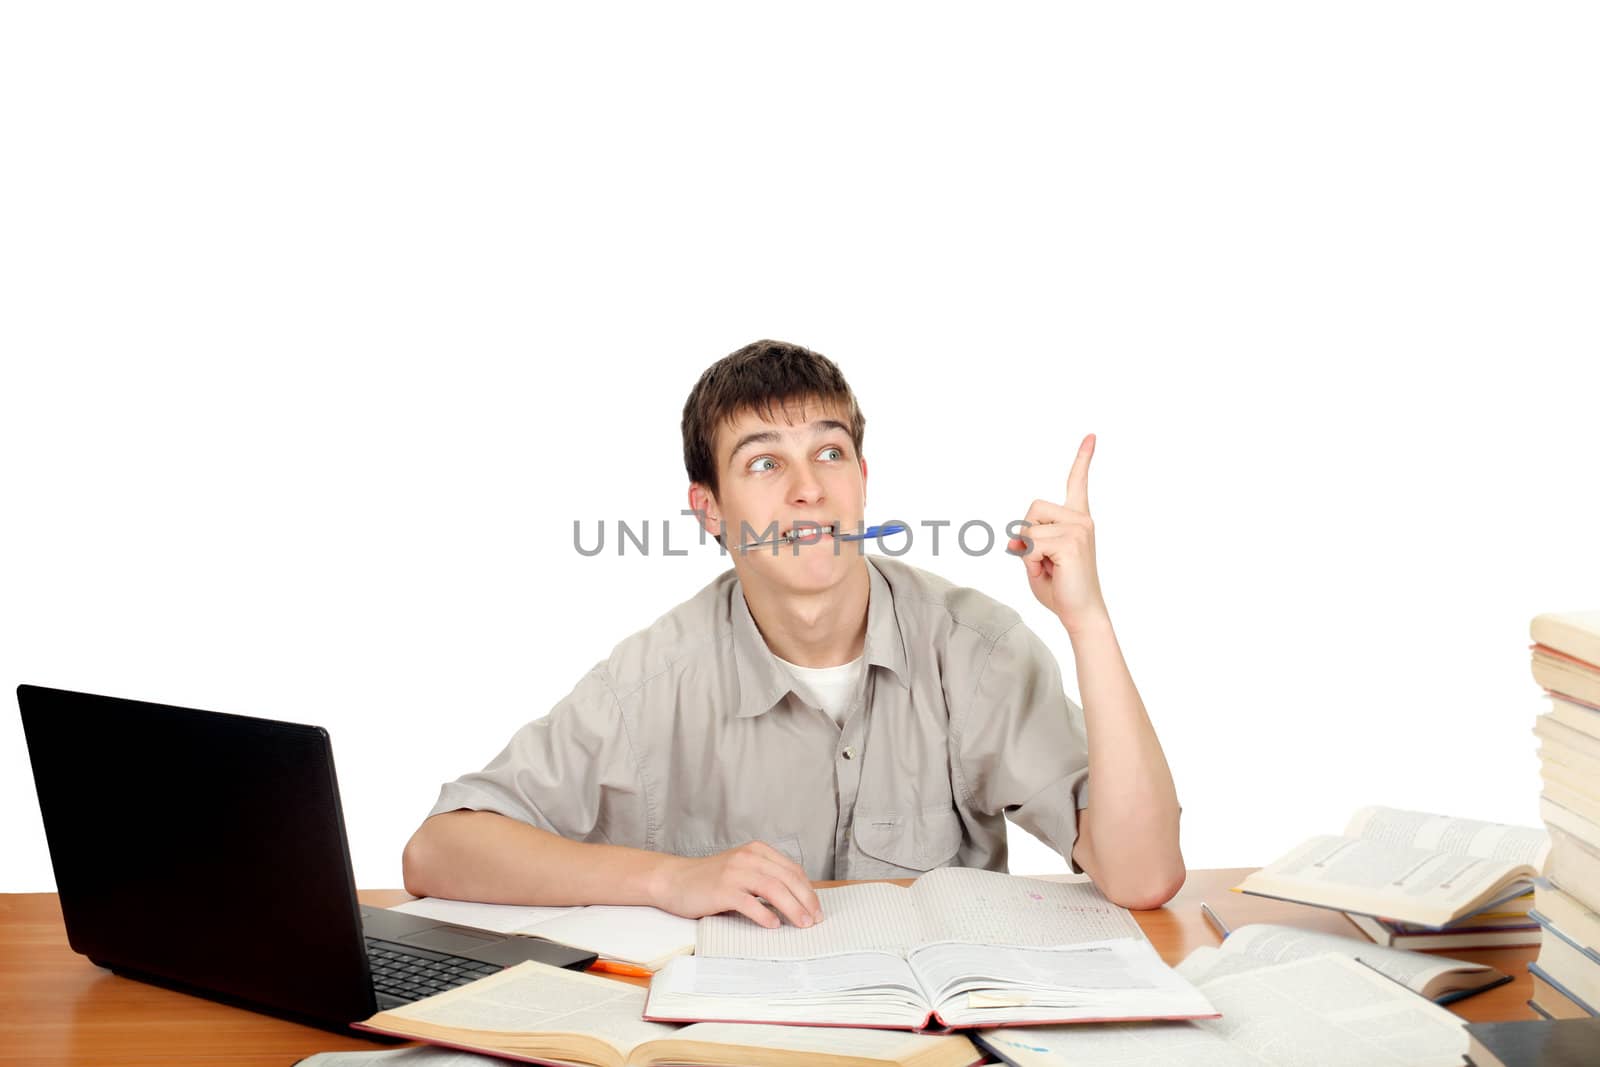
850 753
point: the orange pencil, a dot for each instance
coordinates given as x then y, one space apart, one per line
613 967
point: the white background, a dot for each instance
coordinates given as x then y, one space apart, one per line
322 324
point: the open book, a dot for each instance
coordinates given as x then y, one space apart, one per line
541 1014
1439 978
1409 866
645 937
960 947
1325 1010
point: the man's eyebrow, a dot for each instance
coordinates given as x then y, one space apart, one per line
762 437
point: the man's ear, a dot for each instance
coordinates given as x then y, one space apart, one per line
863 481
704 505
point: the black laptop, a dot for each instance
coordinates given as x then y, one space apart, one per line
206 852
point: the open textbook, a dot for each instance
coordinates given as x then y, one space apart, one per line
1408 865
960 947
645 937
541 1014
1321 1011
1439 978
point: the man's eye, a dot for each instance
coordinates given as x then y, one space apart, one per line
838 453
755 464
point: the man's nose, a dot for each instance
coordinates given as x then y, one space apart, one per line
806 488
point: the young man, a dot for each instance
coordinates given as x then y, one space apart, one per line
815 712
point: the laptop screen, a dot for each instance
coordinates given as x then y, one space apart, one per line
201 850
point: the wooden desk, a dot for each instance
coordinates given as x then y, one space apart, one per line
58 1008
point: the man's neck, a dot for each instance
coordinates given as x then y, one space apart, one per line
822 629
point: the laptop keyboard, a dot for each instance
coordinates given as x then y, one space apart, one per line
411 973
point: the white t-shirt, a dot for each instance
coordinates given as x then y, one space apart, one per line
835 686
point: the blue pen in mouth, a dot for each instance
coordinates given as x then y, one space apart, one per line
875 531
812 533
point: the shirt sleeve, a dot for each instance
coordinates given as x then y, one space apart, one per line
1023 747
572 773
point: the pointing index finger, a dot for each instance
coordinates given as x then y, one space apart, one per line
1078 477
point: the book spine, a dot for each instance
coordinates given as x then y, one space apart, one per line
1535 969
1588 953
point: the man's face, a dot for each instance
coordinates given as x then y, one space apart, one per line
798 473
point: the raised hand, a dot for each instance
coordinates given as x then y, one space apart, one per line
1061 565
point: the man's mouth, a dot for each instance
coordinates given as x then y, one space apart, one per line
808 533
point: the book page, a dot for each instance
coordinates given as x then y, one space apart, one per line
1325 1011
645 936
1198 965
1115 1045
855 989
401 1057
501 918
1330 1011
873 917
1120 978
1441 833
818 979
978 907
533 997
634 934
1263 944
886 1045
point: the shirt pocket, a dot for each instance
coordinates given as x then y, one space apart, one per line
788 844
899 845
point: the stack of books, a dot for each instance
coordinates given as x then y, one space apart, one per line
1396 873
1509 924
1566 661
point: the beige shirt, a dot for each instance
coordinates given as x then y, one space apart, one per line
836 688
693 738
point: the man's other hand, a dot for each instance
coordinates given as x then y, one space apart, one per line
733 880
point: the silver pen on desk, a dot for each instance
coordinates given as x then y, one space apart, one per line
1217 924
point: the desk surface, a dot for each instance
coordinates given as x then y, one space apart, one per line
58 1008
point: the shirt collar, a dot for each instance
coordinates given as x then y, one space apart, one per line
763 681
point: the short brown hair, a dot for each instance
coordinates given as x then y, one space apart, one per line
755 378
